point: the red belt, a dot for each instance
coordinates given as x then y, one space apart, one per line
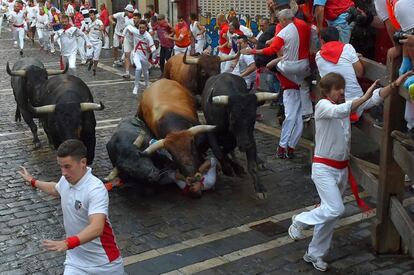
18 26
354 186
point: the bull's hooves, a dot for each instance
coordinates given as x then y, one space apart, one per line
261 195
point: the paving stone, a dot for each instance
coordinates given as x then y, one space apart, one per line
391 271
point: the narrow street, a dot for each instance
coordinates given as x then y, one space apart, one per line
227 231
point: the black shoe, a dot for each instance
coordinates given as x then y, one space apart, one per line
21 52
93 72
90 65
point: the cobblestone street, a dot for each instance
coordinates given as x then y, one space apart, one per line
227 231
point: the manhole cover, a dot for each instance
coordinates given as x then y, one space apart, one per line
269 228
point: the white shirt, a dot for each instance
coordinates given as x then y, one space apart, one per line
70 11
290 36
404 12
120 22
247 32
94 29
79 201
333 127
381 8
16 18
343 67
195 30
10 6
42 21
143 43
68 40
32 12
242 64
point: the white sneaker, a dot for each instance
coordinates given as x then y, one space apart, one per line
83 62
407 178
15 44
318 263
295 230
52 51
135 90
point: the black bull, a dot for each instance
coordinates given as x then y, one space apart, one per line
28 76
227 104
125 150
66 112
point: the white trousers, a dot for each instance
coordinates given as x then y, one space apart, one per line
18 35
199 46
409 114
305 99
106 37
141 66
44 37
81 47
72 61
330 184
297 71
293 124
95 51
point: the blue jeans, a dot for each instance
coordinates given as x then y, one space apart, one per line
343 27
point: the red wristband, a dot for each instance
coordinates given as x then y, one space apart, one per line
33 182
254 51
72 242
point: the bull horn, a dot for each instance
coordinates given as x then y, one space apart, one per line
90 106
199 129
261 97
57 72
43 109
114 173
139 141
225 58
189 60
221 99
15 73
154 147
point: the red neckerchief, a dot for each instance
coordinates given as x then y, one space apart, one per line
332 51
68 26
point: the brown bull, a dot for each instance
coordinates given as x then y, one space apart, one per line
193 71
169 111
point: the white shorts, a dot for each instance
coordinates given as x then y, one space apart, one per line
115 41
114 268
95 51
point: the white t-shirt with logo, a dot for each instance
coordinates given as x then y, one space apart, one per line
79 201
343 67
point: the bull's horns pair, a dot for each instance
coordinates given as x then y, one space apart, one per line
195 130
191 60
23 72
261 97
85 107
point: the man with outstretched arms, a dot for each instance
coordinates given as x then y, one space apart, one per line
90 244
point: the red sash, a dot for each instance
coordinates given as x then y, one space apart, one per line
354 186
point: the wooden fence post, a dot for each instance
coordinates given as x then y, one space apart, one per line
386 239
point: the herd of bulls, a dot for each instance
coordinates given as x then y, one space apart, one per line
167 113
